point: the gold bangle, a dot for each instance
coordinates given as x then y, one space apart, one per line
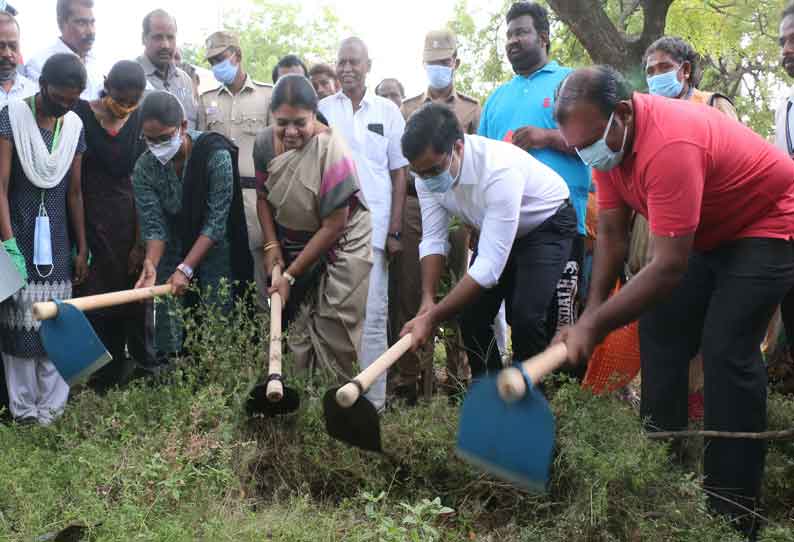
270 246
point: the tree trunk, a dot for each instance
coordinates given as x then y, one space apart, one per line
606 43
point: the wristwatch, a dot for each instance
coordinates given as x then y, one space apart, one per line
289 278
396 235
186 270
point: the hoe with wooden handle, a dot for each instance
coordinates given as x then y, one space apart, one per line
506 425
67 336
351 418
272 398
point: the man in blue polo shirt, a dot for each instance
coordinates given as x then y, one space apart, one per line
520 112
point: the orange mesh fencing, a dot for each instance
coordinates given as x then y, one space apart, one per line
615 362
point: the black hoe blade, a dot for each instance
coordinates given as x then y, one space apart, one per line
259 404
358 425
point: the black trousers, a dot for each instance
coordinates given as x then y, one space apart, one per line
723 307
127 331
528 285
5 410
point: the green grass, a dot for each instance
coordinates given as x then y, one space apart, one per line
180 462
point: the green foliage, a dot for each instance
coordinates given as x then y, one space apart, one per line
274 28
738 41
416 526
481 48
176 460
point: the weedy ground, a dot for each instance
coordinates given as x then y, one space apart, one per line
179 461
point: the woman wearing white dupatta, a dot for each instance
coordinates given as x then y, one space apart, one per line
41 208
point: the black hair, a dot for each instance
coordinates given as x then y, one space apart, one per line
163 107
540 18
64 70
126 75
63 9
601 85
680 51
433 125
288 62
294 90
147 20
788 10
322 69
391 80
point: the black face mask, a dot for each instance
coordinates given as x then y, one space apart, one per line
53 109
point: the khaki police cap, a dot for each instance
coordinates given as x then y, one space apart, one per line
439 45
219 42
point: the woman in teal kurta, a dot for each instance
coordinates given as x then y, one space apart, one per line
186 189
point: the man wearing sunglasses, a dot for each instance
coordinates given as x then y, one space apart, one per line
526 226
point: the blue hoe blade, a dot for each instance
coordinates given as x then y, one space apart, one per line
72 345
512 441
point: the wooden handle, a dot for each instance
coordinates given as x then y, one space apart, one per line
349 393
511 383
275 388
49 310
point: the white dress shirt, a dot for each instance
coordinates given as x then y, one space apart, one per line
375 154
784 124
503 192
96 79
22 88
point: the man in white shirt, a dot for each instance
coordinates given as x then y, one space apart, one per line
373 127
526 227
76 21
13 86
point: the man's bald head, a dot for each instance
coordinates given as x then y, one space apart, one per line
357 43
601 86
7 18
352 66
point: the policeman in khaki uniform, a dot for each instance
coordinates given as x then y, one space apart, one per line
440 58
238 109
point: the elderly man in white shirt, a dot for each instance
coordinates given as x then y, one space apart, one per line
13 86
76 21
372 127
526 223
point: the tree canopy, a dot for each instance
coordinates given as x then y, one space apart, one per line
737 40
274 28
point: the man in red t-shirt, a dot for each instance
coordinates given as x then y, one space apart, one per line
720 203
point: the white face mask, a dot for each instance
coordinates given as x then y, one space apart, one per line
164 152
42 241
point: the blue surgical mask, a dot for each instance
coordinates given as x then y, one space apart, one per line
598 155
666 84
439 77
42 241
225 72
442 182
